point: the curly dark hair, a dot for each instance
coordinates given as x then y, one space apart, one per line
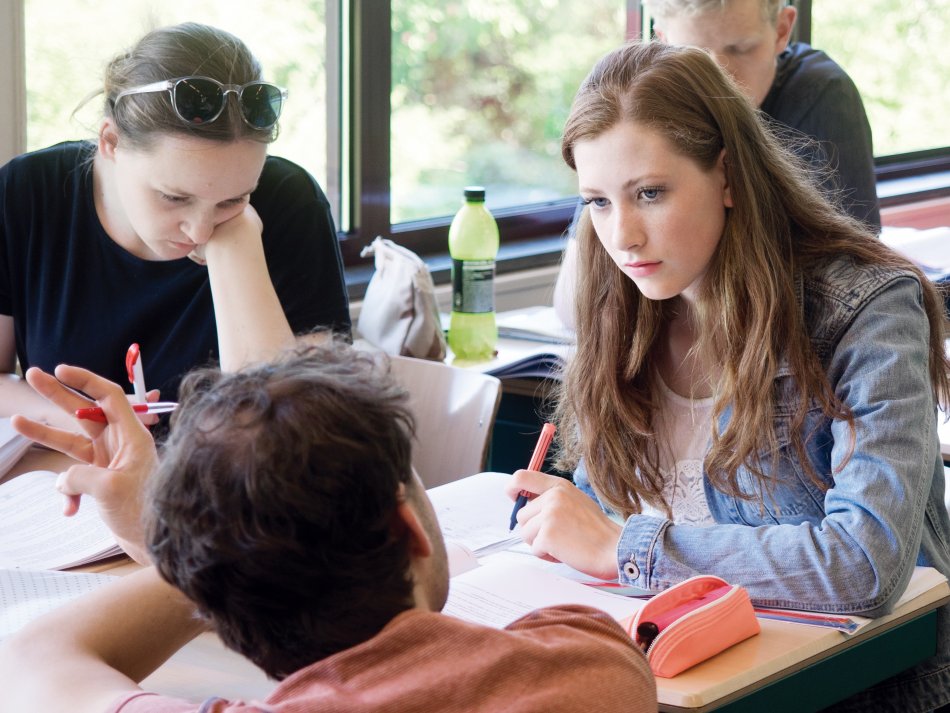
274 506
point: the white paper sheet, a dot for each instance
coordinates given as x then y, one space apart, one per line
34 533
12 446
27 594
475 512
500 592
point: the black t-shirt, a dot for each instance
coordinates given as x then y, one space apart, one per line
78 298
813 95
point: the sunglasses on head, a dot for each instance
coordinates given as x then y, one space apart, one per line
198 100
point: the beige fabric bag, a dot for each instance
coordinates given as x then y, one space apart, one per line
399 313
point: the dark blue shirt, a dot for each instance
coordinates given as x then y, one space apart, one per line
812 95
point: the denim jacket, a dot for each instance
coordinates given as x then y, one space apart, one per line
852 548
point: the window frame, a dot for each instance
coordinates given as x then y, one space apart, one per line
892 168
530 234
359 66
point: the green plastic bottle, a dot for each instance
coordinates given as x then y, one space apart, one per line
473 245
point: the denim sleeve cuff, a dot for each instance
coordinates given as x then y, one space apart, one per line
637 548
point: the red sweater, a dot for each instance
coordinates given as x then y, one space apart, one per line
559 659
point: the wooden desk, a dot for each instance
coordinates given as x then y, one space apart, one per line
786 668
795 668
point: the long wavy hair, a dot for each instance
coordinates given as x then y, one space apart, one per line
749 320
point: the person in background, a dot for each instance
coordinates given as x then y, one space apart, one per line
173 229
795 85
754 389
284 509
804 95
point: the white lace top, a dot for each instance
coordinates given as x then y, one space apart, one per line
683 428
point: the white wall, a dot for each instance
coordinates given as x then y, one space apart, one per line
12 81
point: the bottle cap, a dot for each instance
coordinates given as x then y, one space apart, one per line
474 193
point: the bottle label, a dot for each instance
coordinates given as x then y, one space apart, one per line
473 286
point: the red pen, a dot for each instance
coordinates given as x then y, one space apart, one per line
537 460
95 413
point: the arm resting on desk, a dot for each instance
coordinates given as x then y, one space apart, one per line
85 654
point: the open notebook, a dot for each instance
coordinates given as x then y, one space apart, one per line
496 579
34 533
537 324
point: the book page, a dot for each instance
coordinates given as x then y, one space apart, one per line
12 446
475 512
534 323
27 594
34 533
461 559
499 592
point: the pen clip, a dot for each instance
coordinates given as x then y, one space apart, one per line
131 357
136 374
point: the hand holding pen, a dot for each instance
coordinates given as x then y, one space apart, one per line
561 523
115 456
537 460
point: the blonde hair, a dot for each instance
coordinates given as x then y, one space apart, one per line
749 320
666 9
179 51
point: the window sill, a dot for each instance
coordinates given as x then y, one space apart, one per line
513 257
913 189
545 251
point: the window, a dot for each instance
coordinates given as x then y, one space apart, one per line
480 92
895 52
395 106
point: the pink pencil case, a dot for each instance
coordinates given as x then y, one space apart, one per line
694 620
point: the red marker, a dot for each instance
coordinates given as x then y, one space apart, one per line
537 460
95 413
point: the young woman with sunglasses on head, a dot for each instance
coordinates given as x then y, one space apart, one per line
755 381
174 230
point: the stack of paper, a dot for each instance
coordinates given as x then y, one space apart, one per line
12 446
537 324
34 533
